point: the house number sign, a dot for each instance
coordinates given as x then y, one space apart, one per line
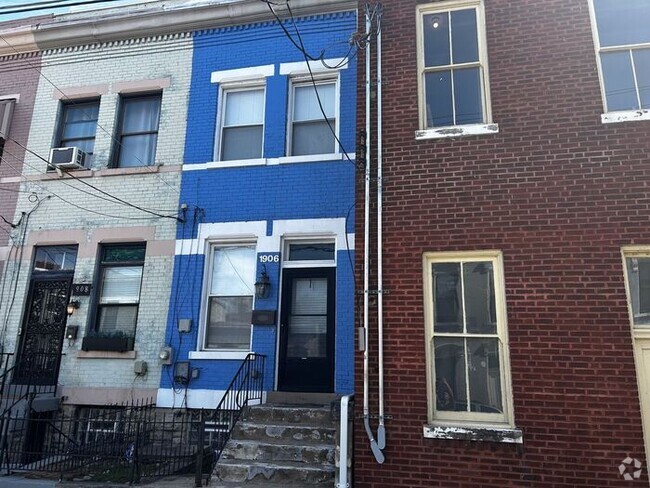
81 289
269 258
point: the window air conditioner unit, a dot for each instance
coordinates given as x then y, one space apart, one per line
68 158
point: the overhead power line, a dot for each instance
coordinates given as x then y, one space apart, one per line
48 5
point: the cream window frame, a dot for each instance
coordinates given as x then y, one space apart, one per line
486 127
506 419
631 252
620 115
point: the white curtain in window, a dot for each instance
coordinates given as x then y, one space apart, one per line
305 106
121 284
244 108
233 271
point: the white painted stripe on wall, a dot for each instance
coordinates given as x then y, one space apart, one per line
168 398
256 230
242 74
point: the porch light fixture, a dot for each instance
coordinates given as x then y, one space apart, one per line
72 306
263 285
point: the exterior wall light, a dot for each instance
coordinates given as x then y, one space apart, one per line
72 306
263 285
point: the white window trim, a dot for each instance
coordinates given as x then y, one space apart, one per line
488 127
470 420
302 68
307 81
201 351
287 241
613 117
224 89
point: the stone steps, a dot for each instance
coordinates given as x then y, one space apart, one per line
280 445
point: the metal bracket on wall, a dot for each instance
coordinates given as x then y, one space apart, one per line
373 292
374 416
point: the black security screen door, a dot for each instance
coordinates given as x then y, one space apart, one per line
307 330
45 317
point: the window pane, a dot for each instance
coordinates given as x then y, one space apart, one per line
309 296
622 21
121 284
619 81
79 130
55 258
118 254
311 252
305 104
480 306
451 393
244 108
642 68
436 39
313 138
638 271
484 376
140 115
81 112
307 336
80 126
233 271
229 323
137 150
118 319
438 99
467 93
241 143
86 145
464 39
447 304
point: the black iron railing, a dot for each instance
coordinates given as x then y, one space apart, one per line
27 379
246 388
127 443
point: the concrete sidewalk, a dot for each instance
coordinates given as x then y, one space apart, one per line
20 482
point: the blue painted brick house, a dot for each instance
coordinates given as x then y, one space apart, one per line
269 194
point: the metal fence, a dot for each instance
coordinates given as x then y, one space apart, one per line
127 443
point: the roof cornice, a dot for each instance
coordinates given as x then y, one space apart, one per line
158 18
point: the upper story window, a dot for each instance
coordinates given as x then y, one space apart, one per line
312 129
622 34
120 279
241 123
78 125
138 130
468 367
6 113
231 286
452 64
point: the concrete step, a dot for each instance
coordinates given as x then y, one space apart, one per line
283 433
274 452
244 471
287 414
300 398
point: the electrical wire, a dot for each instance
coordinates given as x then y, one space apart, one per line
71 175
50 5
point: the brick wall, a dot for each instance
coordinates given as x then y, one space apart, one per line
86 214
559 193
18 76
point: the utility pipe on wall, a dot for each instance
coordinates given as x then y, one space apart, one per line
379 456
381 430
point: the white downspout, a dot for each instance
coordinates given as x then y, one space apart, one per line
379 456
381 430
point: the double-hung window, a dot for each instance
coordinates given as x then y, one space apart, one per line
138 130
241 126
120 278
79 125
231 285
452 65
313 118
622 35
468 366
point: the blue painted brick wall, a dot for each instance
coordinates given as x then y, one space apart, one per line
288 191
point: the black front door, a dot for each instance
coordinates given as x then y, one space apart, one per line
306 361
43 328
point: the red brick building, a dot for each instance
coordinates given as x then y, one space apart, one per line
19 79
516 236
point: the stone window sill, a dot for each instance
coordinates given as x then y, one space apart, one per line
625 116
507 435
238 355
456 131
106 355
